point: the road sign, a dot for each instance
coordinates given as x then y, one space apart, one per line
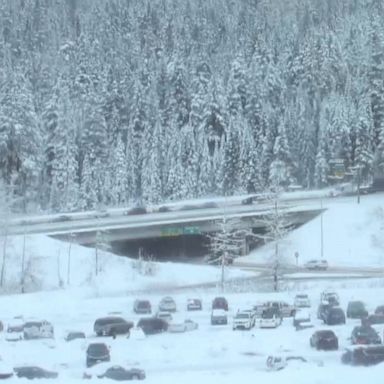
191 231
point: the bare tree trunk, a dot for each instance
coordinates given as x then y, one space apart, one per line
4 257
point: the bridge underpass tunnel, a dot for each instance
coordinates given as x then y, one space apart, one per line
183 248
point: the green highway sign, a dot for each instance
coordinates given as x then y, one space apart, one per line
175 231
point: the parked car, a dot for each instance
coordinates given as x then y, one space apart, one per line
73 335
6 371
164 315
365 335
219 317
120 373
322 311
167 304
152 325
375 319
277 363
111 326
302 301
220 303
32 372
335 316
363 355
96 353
379 310
325 340
302 317
38 330
182 326
356 310
15 330
243 320
142 306
329 297
194 305
270 318
316 265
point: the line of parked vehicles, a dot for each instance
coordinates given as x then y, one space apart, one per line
366 344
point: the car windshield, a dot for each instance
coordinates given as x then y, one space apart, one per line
365 331
242 316
326 334
97 348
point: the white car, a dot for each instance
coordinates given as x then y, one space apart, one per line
270 319
302 301
15 330
182 326
219 317
316 265
302 318
243 320
167 304
329 297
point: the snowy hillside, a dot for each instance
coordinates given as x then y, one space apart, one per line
353 235
52 264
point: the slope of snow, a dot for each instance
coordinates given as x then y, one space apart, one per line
353 235
52 264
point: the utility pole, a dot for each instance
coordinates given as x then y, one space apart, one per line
23 265
358 184
321 231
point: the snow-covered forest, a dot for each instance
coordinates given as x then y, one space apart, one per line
107 102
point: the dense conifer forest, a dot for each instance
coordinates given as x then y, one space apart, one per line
111 102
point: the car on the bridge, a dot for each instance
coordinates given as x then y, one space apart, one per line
139 210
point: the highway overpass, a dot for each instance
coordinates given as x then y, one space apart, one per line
172 230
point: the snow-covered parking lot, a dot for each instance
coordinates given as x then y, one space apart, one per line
208 354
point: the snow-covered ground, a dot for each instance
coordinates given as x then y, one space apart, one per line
353 236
